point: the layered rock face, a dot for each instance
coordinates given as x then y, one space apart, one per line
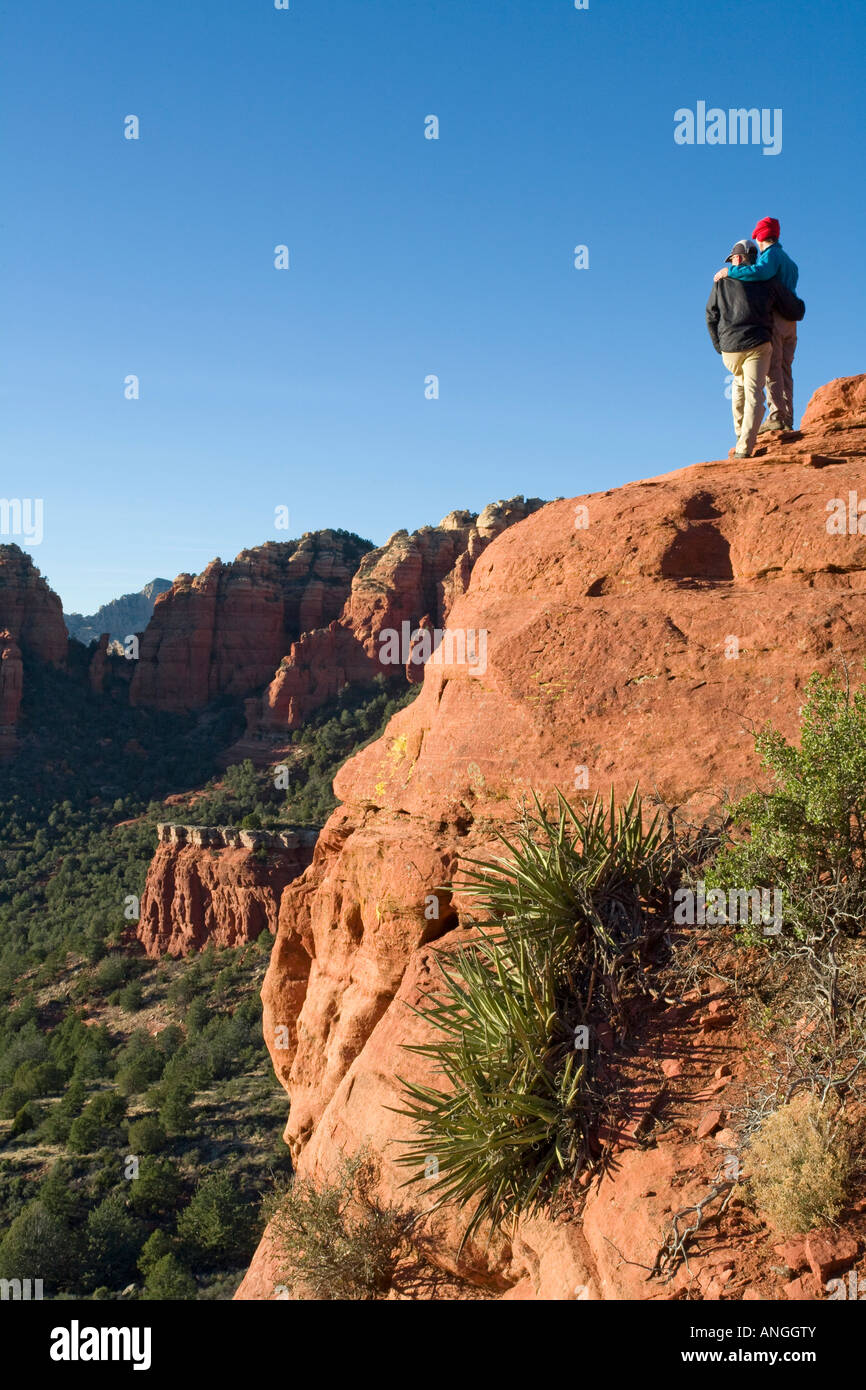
212 883
639 634
412 581
31 622
225 630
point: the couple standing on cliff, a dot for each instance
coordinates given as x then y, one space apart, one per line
752 315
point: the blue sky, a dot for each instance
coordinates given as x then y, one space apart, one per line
409 257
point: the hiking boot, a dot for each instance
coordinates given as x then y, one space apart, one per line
772 422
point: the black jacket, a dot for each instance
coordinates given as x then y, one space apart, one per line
740 312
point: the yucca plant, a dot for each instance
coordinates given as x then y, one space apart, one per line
562 917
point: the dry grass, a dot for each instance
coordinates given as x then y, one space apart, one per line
801 1164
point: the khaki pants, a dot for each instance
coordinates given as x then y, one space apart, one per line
780 378
749 370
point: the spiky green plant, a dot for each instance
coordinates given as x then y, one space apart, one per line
563 915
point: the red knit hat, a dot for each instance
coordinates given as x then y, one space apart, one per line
768 229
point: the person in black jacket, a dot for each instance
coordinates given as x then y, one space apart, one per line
740 321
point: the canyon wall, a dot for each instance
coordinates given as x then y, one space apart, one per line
31 624
303 618
412 580
223 632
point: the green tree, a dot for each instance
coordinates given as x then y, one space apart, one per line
157 1190
58 1193
176 1114
218 1226
98 1123
113 1240
169 1280
38 1245
197 1015
158 1244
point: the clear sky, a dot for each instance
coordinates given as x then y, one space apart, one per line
409 257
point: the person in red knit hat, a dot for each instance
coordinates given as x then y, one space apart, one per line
772 262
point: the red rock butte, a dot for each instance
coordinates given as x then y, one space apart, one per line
635 635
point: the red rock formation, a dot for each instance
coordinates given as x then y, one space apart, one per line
216 885
636 634
841 404
99 665
31 619
29 609
414 579
11 688
225 631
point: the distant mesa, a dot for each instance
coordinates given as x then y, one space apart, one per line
128 614
217 883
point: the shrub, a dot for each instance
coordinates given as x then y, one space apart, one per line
197 1015
38 1079
108 1108
168 1040
568 913
132 997
800 1165
84 1134
58 1193
146 1136
337 1240
113 972
809 830
187 985
27 1118
74 1099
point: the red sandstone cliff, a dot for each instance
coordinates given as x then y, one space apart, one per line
634 634
31 622
214 884
225 630
413 579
